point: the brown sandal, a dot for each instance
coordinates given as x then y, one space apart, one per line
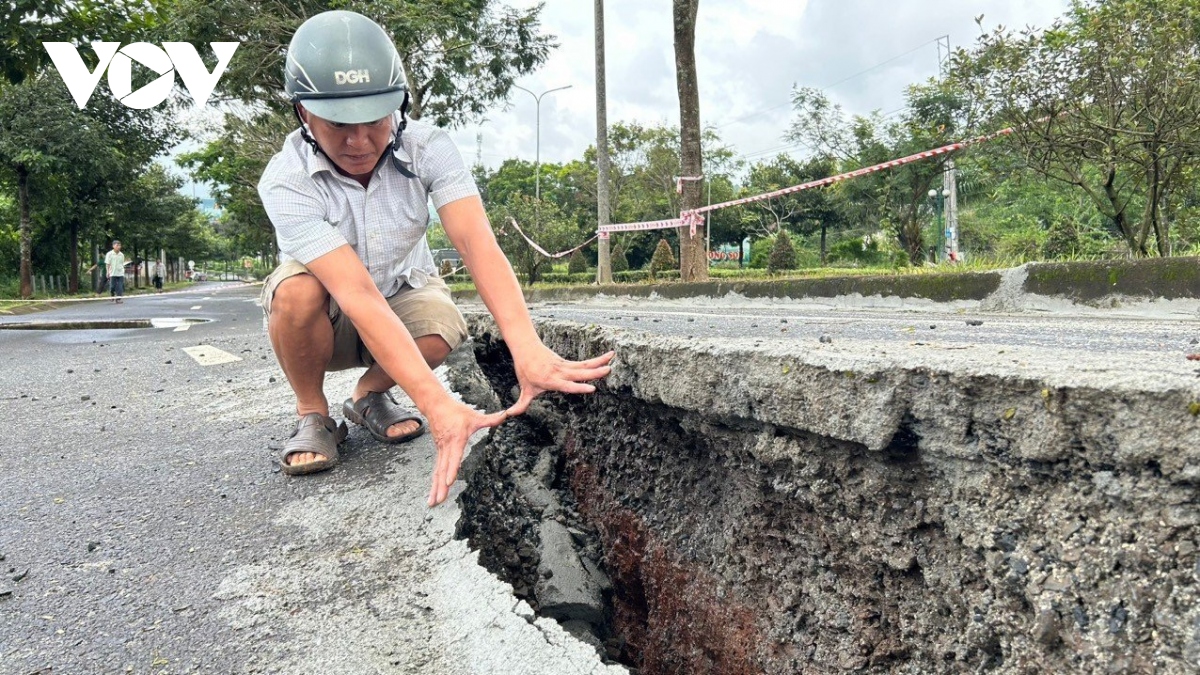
317 434
378 411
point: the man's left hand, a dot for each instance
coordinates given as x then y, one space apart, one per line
543 370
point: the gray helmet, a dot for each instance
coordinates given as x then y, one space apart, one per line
344 68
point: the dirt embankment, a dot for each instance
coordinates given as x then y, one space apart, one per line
740 511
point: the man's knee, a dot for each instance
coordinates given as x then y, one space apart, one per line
434 348
300 298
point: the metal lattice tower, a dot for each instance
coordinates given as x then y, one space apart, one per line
943 44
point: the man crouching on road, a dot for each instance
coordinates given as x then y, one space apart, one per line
357 287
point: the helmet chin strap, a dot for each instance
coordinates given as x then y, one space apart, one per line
304 132
396 142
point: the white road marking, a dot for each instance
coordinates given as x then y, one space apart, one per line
172 322
210 356
197 307
183 327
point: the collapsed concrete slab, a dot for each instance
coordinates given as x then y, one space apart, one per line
767 508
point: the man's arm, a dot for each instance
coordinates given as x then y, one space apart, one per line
538 368
384 335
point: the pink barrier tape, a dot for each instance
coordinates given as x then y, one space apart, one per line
858 172
679 182
695 217
539 249
648 225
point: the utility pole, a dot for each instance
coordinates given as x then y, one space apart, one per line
950 188
604 261
950 176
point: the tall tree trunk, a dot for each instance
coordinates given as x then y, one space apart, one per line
604 263
26 229
73 281
1118 214
693 263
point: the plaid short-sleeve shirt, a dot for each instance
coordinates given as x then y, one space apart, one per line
315 209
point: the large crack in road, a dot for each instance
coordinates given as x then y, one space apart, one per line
760 505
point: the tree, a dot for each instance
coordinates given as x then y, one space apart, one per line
783 255
645 161
42 137
152 213
24 25
69 166
543 223
233 163
693 259
1106 100
936 113
663 259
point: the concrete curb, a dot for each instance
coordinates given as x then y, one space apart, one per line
1071 286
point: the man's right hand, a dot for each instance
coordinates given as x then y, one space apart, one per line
452 424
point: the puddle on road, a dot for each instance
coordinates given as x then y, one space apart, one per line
114 324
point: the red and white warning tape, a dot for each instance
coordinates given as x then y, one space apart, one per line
539 249
679 182
858 172
694 217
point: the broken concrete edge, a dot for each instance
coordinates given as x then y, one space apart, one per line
1041 519
1108 283
953 406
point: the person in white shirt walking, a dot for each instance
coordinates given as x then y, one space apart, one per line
114 270
157 272
348 196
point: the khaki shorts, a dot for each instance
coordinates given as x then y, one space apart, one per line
428 310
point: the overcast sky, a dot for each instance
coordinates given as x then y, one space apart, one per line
750 54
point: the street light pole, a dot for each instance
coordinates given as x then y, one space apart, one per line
939 200
538 156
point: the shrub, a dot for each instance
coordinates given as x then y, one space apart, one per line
577 264
872 250
783 254
567 278
663 258
619 262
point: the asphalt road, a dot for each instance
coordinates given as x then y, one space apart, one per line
144 526
1144 352
803 326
